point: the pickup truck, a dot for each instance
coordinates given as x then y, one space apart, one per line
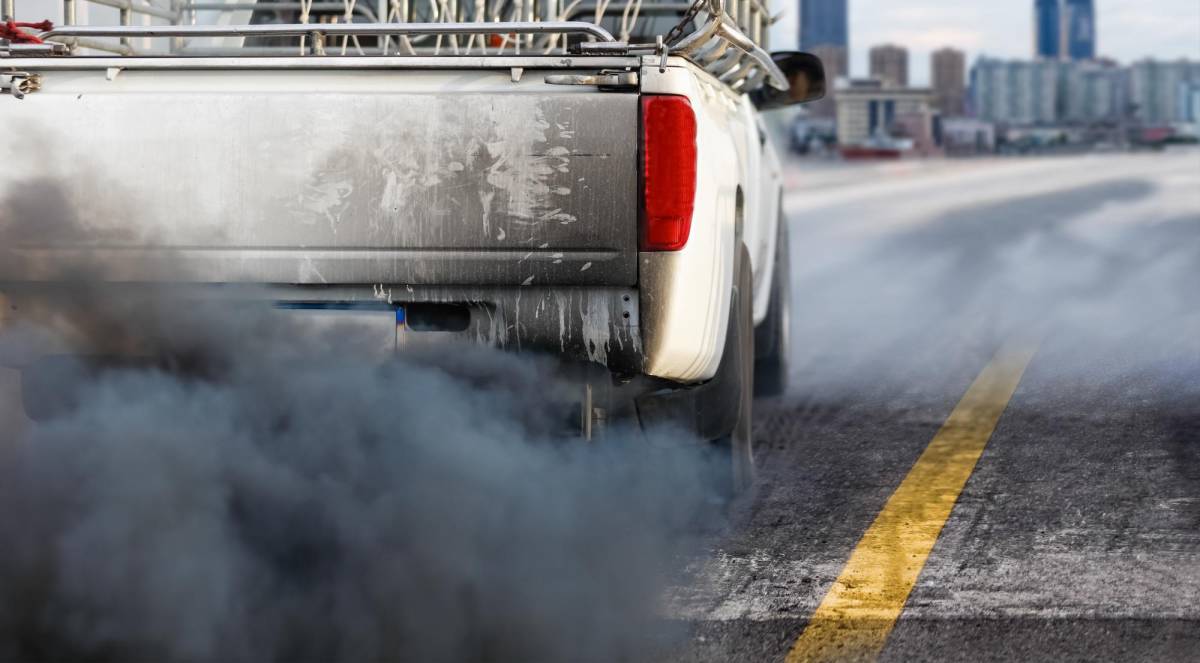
505 173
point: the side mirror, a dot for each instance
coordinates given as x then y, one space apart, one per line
804 72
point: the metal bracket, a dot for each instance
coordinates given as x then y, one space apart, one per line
600 48
19 83
8 49
605 80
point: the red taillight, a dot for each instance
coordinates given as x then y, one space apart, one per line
668 171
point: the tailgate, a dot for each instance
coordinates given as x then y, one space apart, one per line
320 177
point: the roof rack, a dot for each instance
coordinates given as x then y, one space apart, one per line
725 37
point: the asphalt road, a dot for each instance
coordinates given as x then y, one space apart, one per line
1077 534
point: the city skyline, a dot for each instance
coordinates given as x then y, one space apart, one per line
1127 30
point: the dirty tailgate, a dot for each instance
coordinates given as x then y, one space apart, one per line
321 177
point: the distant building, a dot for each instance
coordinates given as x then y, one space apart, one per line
825 32
1079 29
889 64
1050 93
1047 21
837 65
836 60
1189 103
964 136
1092 93
1017 92
1161 92
948 74
824 23
1064 29
867 111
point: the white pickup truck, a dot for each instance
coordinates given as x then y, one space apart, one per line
509 172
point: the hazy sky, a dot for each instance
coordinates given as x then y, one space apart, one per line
1128 29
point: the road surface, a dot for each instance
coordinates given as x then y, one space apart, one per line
1053 306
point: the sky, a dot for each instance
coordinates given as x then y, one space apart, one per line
1127 30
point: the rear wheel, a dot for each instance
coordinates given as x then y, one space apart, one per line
773 336
738 446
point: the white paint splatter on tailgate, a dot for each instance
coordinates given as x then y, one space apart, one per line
521 168
596 332
327 198
408 178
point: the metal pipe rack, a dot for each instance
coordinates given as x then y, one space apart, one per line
725 37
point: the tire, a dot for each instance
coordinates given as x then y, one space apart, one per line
736 450
773 336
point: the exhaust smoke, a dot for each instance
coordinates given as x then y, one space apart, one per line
237 487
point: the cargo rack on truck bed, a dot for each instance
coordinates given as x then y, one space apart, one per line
725 37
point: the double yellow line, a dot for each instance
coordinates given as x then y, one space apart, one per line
857 614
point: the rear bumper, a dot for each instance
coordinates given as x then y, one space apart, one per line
596 324
600 325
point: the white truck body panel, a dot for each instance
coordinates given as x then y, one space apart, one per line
684 332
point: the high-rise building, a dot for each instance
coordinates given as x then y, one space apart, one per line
948 73
889 64
1050 92
824 23
1047 20
1160 91
1016 92
1092 92
835 59
1064 29
1189 103
837 65
1079 29
825 32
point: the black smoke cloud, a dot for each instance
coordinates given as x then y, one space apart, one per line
247 489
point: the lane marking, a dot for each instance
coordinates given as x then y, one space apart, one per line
858 613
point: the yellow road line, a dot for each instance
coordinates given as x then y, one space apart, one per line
859 611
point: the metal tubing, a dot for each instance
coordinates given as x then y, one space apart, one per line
97 45
699 38
177 43
333 62
31 50
333 30
720 24
126 20
775 75
268 6
149 10
589 8
8 10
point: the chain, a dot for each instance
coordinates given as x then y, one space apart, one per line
677 32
